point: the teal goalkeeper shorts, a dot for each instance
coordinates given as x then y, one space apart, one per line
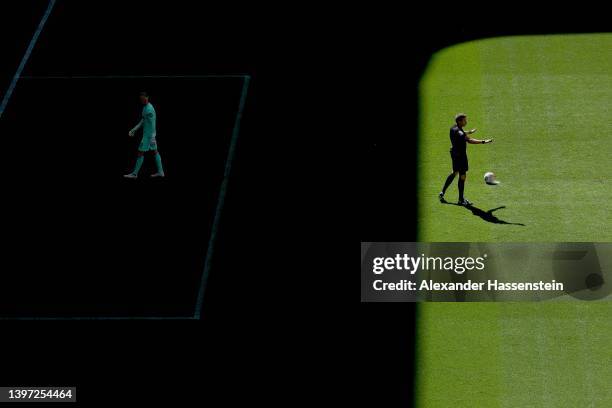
147 143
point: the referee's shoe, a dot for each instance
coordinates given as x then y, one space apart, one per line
464 202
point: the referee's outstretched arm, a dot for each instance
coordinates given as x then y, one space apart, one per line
477 141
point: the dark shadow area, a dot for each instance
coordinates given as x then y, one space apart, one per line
115 247
485 215
247 294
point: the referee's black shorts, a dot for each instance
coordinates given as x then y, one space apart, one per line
460 162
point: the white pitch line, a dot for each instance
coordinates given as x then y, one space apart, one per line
25 58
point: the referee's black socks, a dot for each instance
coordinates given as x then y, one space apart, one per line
448 182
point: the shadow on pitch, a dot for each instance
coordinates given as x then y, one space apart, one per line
486 215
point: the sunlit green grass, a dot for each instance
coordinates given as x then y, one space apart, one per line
546 102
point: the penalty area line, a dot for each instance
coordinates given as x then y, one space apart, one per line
222 191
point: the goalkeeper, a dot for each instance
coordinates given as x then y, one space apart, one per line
148 142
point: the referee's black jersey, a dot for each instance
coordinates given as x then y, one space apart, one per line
457 137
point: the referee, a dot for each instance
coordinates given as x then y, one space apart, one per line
459 138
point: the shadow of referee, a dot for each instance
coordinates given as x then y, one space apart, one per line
486 215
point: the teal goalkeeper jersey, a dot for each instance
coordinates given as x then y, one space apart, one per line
148 121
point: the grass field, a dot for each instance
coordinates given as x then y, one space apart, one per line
546 102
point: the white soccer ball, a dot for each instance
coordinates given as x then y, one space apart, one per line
489 178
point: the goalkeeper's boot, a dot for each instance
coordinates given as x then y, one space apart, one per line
441 197
130 176
158 174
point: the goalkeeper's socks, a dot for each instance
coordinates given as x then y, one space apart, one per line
138 165
158 163
461 185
